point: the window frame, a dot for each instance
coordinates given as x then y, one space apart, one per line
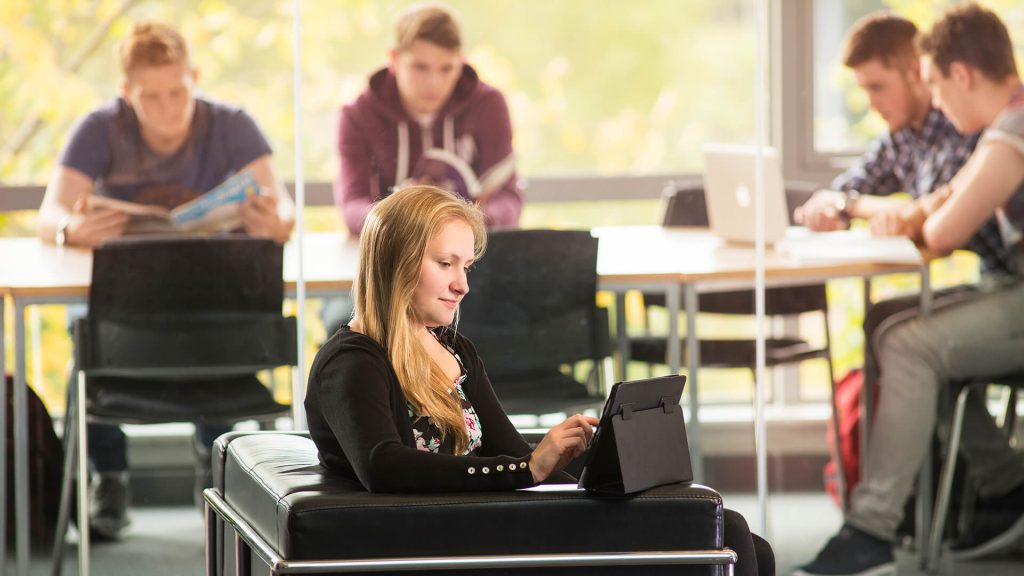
793 96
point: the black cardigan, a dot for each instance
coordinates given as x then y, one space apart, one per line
359 420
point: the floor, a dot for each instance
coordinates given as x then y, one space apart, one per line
800 524
169 541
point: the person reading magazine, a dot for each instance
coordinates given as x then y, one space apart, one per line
158 144
219 210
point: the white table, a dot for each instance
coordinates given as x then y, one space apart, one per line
681 263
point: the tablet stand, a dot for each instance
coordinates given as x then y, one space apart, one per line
647 448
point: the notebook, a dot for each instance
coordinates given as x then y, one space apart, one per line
848 246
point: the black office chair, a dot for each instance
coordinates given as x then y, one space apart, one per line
176 331
531 313
685 206
1013 385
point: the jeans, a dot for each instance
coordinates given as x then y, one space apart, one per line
918 357
336 312
108 447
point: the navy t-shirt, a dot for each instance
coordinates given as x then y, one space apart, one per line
107 146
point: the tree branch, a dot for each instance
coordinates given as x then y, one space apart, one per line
31 125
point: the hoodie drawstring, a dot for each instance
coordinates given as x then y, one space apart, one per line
402 172
449 134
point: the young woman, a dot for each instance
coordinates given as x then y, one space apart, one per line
399 401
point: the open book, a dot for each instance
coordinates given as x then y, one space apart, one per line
215 211
445 170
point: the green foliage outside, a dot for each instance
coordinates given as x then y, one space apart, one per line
639 92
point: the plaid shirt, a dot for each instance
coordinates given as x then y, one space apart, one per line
918 162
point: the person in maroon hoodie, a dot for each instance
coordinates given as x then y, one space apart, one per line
426 98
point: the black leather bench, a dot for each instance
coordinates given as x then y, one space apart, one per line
274 509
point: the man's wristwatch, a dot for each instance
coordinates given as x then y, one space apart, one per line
845 204
61 237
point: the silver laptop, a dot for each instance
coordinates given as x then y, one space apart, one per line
730 185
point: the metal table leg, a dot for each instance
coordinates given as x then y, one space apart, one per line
692 364
20 410
3 426
621 338
924 500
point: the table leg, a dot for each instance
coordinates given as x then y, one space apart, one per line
692 364
3 426
20 419
866 393
82 422
924 500
621 338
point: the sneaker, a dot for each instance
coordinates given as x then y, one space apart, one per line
851 552
108 507
993 532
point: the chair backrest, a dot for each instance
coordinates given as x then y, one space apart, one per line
684 203
531 301
192 307
171 275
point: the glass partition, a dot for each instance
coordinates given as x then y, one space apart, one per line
619 94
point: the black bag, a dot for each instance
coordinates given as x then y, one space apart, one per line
641 439
45 461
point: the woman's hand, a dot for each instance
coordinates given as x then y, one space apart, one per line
560 445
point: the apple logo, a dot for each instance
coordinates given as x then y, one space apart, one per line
743 196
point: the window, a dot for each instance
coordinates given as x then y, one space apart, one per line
841 120
615 91
823 120
610 91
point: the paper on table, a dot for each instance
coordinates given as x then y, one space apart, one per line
848 245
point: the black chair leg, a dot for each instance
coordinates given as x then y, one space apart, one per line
70 441
946 483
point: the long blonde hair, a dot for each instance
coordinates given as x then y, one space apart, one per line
391 250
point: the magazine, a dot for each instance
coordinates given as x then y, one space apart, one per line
214 211
441 168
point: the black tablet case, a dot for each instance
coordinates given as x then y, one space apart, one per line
641 441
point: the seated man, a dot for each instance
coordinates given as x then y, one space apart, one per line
968 63
920 150
156 144
427 97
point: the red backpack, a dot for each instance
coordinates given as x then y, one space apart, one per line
848 391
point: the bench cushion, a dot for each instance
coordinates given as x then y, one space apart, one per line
275 482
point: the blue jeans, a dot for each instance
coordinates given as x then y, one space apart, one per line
918 358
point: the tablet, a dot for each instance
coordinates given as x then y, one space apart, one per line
634 396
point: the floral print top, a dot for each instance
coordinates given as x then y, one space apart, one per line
428 436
